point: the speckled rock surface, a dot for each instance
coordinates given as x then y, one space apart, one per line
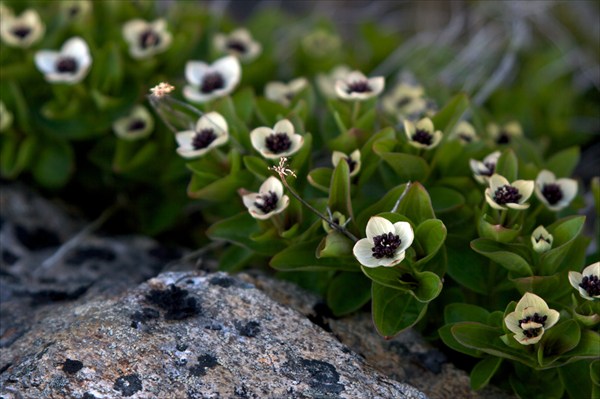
187 335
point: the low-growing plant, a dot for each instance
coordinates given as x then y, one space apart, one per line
366 189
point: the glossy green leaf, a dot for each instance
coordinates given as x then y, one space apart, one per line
239 229
430 235
544 286
575 377
563 163
398 277
502 255
320 178
339 190
497 232
243 102
334 245
532 387
369 159
558 340
235 258
406 166
445 199
508 165
416 204
445 333
385 204
483 371
456 312
429 286
348 292
564 231
219 190
468 268
302 256
54 164
393 310
447 117
258 166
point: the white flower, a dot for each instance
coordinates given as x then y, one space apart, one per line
326 82
211 81
21 31
146 39
556 194
541 240
531 318
284 93
138 124
268 201
356 87
386 243
353 160
76 8
210 132
6 117
321 43
405 100
502 195
281 141
465 132
587 282
69 65
483 170
238 43
503 134
422 134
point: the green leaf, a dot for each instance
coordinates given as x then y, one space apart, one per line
456 312
394 311
563 163
536 387
595 372
54 164
447 117
301 256
385 204
334 245
445 333
575 377
339 190
416 204
558 340
392 277
257 166
564 231
235 258
497 232
17 156
243 102
269 112
544 286
406 166
219 190
429 286
445 199
347 293
430 235
369 159
483 371
508 165
468 268
240 229
502 254
320 178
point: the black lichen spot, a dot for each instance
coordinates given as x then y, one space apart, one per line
204 362
8 257
37 238
80 255
224 282
72 366
128 385
214 326
88 395
175 301
323 376
250 329
143 316
181 347
321 312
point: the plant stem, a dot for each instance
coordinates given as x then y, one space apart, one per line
503 215
397 204
355 112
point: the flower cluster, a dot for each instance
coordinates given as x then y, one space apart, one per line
531 318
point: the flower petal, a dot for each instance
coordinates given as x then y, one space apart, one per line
272 184
377 226
552 319
525 188
194 71
363 251
425 124
284 126
258 138
405 232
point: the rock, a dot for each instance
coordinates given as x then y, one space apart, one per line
187 335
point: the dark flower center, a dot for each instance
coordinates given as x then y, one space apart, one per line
267 202
361 86
506 194
351 163
236 45
403 101
552 193
149 38
491 168
591 284
503 137
73 11
385 245
423 137
21 31
136 124
66 65
212 81
203 138
542 238
278 143
536 318
465 137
